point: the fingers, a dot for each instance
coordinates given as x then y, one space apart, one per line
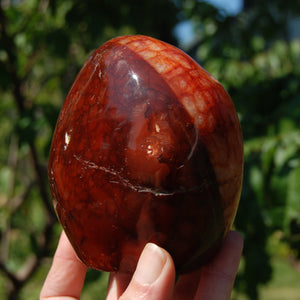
153 278
217 277
67 274
155 273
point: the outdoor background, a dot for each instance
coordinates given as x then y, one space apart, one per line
252 47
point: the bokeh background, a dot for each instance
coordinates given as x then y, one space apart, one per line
252 47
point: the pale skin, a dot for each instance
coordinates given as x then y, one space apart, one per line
153 279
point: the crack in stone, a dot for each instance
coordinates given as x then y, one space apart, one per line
127 183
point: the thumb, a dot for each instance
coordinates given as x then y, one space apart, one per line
154 276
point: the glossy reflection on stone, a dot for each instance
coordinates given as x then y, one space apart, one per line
147 147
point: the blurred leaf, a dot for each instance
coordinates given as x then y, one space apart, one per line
26 127
293 203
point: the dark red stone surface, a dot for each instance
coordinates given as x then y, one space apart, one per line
147 148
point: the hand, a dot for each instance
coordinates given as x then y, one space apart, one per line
154 277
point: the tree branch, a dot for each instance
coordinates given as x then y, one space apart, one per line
20 100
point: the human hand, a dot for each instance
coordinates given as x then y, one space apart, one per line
154 277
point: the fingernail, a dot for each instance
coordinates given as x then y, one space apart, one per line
150 265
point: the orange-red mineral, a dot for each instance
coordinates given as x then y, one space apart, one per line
147 148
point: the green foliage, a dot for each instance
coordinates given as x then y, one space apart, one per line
256 56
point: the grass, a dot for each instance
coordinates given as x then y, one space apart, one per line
285 284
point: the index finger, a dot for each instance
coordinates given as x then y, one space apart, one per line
67 273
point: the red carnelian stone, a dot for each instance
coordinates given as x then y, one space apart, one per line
147 148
